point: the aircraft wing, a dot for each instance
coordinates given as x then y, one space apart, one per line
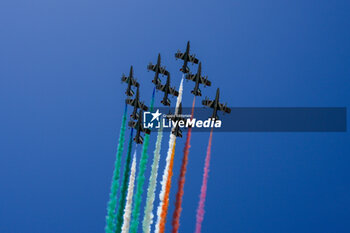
177 132
190 77
130 101
208 103
134 82
180 55
205 81
224 108
124 78
142 106
174 92
151 67
146 131
154 68
161 87
132 124
139 140
193 59
163 71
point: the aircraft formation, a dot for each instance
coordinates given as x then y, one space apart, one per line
122 217
159 70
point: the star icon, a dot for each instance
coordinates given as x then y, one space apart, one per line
156 115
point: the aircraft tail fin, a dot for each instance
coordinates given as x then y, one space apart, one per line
197 93
177 133
185 70
138 140
165 102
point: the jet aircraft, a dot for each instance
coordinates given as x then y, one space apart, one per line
167 90
176 118
198 79
131 81
186 57
216 105
158 69
136 103
139 127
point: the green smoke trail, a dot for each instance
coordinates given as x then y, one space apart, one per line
110 225
148 216
140 180
124 188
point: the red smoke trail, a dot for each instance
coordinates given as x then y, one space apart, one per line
200 210
181 183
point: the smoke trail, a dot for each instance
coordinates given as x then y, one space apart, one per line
167 192
124 187
151 192
112 203
200 210
179 98
181 182
127 211
164 182
140 179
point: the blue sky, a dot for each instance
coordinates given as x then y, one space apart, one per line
61 103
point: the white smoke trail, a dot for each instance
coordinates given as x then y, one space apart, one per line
151 192
127 211
164 181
